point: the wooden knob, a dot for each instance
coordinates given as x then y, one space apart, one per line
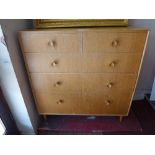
60 101
115 43
112 64
51 43
109 85
54 63
58 83
107 102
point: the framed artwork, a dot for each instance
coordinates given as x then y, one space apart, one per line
57 23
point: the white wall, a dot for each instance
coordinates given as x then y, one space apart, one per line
148 67
11 91
10 28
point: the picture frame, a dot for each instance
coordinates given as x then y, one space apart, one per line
62 23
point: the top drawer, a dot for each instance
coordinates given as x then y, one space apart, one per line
48 41
113 41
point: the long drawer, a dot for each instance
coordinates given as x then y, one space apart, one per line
113 42
57 63
85 83
100 104
46 41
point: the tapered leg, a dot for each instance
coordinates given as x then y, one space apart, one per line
45 117
120 118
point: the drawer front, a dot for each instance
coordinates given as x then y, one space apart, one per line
57 63
98 104
107 104
60 103
77 83
50 42
56 83
113 42
114 62
41 62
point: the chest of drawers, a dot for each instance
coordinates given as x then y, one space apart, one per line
83 71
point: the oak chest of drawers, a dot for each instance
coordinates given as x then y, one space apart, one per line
83 71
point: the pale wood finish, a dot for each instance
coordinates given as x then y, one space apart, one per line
57 63
76 83
59 103
51 42
45 117
44 62
120 118
97 75
113 42
122 62
102 103
56 83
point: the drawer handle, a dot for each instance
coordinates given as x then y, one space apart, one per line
58 83
115 43
51 43
54 63
109 85
60 102
112 64
107 102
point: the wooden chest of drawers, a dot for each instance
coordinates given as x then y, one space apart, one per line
83 71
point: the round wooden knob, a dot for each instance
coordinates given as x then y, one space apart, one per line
58 83
112 64
60 102
107 102
51 43
54 63
115 43
109 85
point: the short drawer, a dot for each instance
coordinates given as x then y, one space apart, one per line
111 62
113 42
54 63
48 41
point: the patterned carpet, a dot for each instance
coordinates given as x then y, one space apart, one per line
90 124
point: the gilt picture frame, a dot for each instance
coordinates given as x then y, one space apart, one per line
60 23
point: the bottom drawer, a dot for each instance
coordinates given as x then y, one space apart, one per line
96 104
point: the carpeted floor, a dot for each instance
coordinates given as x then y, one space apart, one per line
139 121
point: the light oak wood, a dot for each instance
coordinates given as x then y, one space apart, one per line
96 83
111 62
59 103
120 118
51 42
107 103
45 117
56 83
54 63
76 83
88 103
107 62
95 74
113 42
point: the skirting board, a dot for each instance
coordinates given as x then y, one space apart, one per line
140 93
152 103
